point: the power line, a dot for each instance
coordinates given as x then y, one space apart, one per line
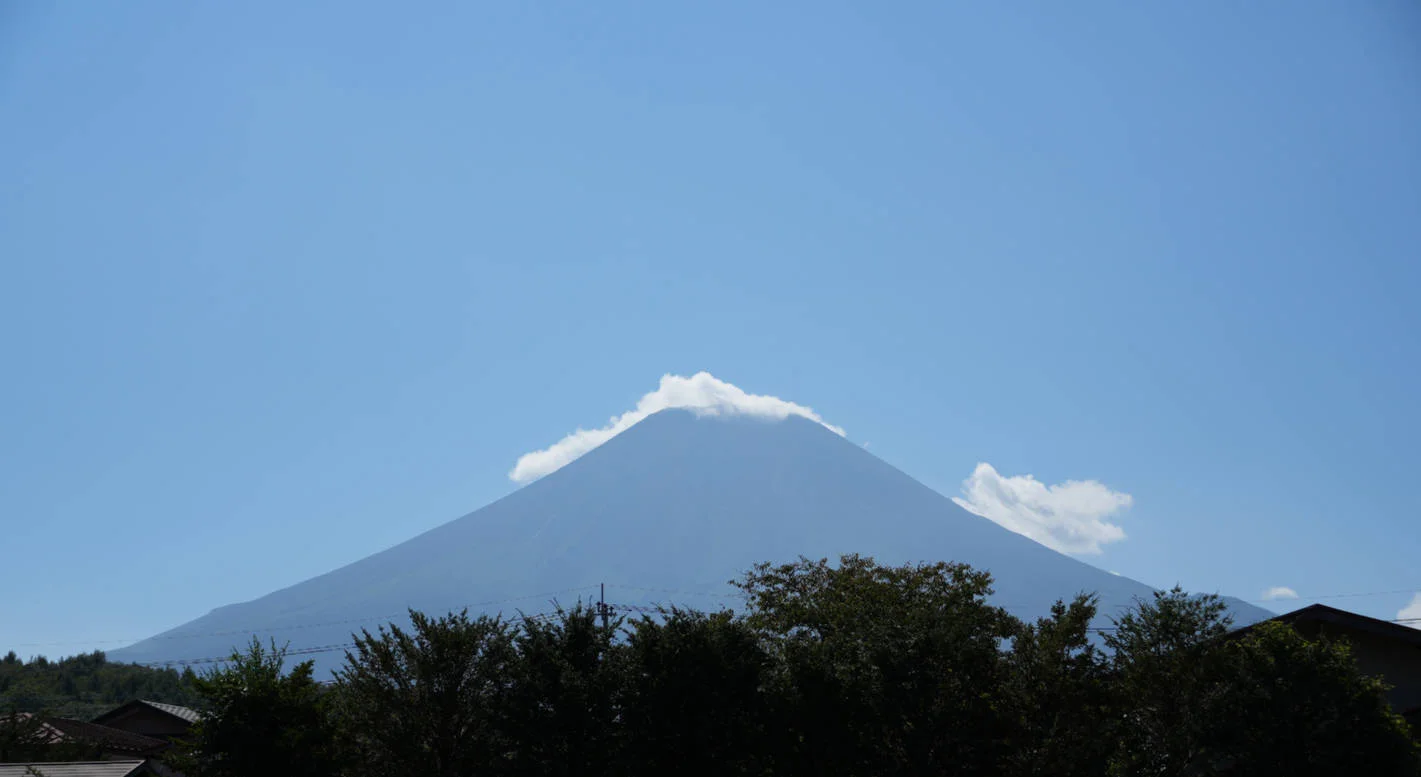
604 609
306 651
649 589
292 627
386 617
1414 589
711 594
745 596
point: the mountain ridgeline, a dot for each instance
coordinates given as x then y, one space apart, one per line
665 513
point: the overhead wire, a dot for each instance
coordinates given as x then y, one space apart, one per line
580 589
291 627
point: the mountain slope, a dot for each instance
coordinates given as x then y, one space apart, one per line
677 503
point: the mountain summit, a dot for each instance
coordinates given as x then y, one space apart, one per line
665 512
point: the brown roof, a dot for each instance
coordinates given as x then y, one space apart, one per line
176 710
185 714
77 769
110 739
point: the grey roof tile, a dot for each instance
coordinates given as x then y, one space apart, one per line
186 713
73 769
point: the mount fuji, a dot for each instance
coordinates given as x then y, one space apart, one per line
665 512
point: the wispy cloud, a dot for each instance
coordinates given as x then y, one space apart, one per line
1069 517
1411 613
1280 592
702 393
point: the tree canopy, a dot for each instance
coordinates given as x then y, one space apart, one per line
844 668
86 685
257 715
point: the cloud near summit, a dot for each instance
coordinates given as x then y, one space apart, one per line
702 394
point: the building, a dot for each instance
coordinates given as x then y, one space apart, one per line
1383 649
150 719
106 743
80 739
85 769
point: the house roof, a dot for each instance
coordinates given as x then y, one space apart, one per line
1324 615
110 739
186 714
76 769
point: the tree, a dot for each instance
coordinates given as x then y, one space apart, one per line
848 668
1288 705
694 698
86 684
257 720
1058 689
430 702
1161 654
1193 699
563 705
885 670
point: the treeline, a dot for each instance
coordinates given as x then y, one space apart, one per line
86 685
846 669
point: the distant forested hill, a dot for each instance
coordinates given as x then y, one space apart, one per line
86 685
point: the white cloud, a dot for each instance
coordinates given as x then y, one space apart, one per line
1068 517
1280 592
701 393
1411 612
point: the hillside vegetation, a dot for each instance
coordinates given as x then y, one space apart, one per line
86 685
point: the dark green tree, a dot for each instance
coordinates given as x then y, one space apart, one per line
884 670
847 668
1059 695
1192 699
1284 704
258 720
1162 652
86 684
694 700
433 701
563 706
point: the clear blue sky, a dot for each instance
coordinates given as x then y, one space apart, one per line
284 284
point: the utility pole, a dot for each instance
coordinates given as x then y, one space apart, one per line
602 608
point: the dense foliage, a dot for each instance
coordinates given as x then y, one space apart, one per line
256 716
24 737
847 669
86 685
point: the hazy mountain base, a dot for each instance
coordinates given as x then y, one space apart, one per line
849 669
666 512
